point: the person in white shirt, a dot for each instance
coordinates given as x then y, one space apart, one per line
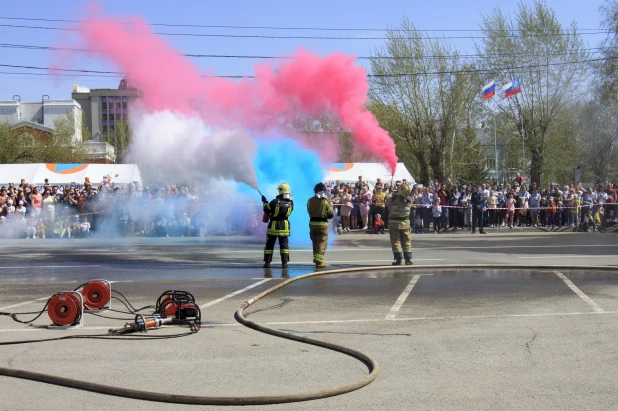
485 190
427 201
9 209
84 227
466 202
436 212
524 198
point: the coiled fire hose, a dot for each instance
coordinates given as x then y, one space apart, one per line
371 364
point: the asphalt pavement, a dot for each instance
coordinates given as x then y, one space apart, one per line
448 333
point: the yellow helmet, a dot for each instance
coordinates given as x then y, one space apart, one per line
404 190
283 188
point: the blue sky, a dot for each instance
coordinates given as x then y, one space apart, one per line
427 15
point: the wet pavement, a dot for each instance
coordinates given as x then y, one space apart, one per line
446 338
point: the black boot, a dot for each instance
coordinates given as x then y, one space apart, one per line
284 260
398 258
267 259
408 258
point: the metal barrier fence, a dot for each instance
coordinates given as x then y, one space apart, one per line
141 220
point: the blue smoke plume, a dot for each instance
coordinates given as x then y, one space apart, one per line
285 160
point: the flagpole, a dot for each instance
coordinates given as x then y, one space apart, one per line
523 145
496 145
486 90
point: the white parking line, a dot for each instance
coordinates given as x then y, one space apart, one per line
367 320
454 317
334 249
218 300
381 261
311 263
24 303
50 266
569 256
402 298
579 293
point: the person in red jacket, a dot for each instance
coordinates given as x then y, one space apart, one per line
379 224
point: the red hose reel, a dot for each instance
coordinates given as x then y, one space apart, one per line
65 309
97 295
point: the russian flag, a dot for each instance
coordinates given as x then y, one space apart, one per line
489 90
511 88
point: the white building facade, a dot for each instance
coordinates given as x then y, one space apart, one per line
42 113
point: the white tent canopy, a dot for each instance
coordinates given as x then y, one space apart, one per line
349 173
66 174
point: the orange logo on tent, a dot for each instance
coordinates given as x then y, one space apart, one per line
339 167
65 168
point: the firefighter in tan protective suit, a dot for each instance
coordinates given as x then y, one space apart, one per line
320 211
399 225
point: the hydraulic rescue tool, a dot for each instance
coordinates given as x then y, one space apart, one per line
141 324
65 309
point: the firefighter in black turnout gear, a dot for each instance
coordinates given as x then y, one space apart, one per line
277 212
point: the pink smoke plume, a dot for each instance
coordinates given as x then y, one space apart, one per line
306 83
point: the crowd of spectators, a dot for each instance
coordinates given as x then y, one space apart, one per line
50 211
448 206
28 211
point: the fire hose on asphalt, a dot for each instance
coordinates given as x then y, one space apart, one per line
371 363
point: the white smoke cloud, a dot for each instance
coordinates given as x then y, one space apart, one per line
169 146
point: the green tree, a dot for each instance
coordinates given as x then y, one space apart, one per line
13 148
121 140
19 146
472 166
598 120
550 61
597 128
419 98
63 146
86 134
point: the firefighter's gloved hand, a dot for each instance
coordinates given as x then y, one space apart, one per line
264 199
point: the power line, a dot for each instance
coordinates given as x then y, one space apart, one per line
60 74
435 73
258 36
481 56
268 27
117 73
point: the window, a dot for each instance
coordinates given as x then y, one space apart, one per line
104 122
104 111
118 112
125 99
491 163
118 100
104 129
27 138
104 100
124 105
104 117
111 106
111 123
